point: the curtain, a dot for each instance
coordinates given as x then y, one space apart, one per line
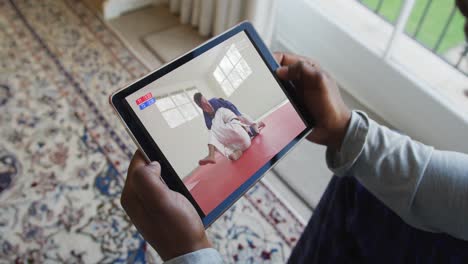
212 17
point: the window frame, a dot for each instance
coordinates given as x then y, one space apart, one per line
178 107
228 76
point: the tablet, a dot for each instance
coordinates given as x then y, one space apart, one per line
216 119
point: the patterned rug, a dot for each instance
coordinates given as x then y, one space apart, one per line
63 153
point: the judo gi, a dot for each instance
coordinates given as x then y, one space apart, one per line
228 133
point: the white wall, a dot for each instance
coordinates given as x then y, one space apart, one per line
260 92
403 101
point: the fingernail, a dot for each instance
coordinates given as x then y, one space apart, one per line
155 165
282 70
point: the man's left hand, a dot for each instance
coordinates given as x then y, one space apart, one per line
166 219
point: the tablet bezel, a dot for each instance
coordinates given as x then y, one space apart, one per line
150 148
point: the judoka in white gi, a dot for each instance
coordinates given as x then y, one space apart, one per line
230 130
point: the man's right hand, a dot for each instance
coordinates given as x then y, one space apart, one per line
321 96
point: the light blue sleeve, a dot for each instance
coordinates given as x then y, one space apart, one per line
427 188
202 256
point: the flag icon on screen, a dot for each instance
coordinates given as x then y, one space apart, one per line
145 101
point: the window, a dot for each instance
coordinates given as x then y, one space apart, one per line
231 71
178 108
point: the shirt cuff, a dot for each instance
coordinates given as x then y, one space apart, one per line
341 161
205 256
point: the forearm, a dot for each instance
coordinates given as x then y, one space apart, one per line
388 164
246 119
393 167
442 198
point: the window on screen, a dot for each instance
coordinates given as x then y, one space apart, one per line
232 70
178 108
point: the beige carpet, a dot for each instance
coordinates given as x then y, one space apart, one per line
64 154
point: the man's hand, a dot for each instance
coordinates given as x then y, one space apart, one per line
321 96
166 219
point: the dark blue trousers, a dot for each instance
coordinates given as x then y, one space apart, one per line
350 225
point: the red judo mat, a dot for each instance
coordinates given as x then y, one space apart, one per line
211 184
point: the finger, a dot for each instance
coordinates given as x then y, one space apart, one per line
128 191
125 196
138 160
289 58
297 71
149 188
283 72
285 59
278 56
137 213
129 201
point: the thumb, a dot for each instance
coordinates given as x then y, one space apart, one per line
291 72
154 167
299 71
148 185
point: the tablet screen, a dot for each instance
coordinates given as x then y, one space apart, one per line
218 119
